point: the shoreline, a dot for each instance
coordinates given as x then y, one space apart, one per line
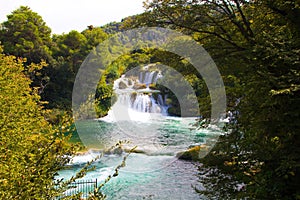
87 151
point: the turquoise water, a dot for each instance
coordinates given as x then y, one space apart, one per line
155 173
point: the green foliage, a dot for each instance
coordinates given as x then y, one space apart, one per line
94 36
104 94
105 97
256 47
112 27
33 146
255 44
69 45
69 52
32 151
26 35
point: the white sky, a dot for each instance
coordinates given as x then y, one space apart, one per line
66 15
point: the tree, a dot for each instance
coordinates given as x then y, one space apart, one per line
25 34
69 51
112 27
256 47
94 36
31 151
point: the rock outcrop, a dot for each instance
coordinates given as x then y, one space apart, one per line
194 153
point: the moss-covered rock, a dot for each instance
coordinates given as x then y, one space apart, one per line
152 86
139 86
193 153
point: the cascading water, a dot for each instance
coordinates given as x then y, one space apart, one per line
140 116
147 77
134 93
164 105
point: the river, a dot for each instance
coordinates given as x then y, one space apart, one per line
155 173
154 170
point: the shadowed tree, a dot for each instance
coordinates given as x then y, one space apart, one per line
256 46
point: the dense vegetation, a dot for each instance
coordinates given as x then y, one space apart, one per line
32 150
37 74
255 44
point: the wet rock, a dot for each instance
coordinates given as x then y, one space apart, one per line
122 85
193 153
117 151
136 150
139 86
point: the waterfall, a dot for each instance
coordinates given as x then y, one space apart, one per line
141 77
163 105
160 100
147 77
140 100
142 103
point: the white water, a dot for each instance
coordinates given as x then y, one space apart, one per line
140 100
155 172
